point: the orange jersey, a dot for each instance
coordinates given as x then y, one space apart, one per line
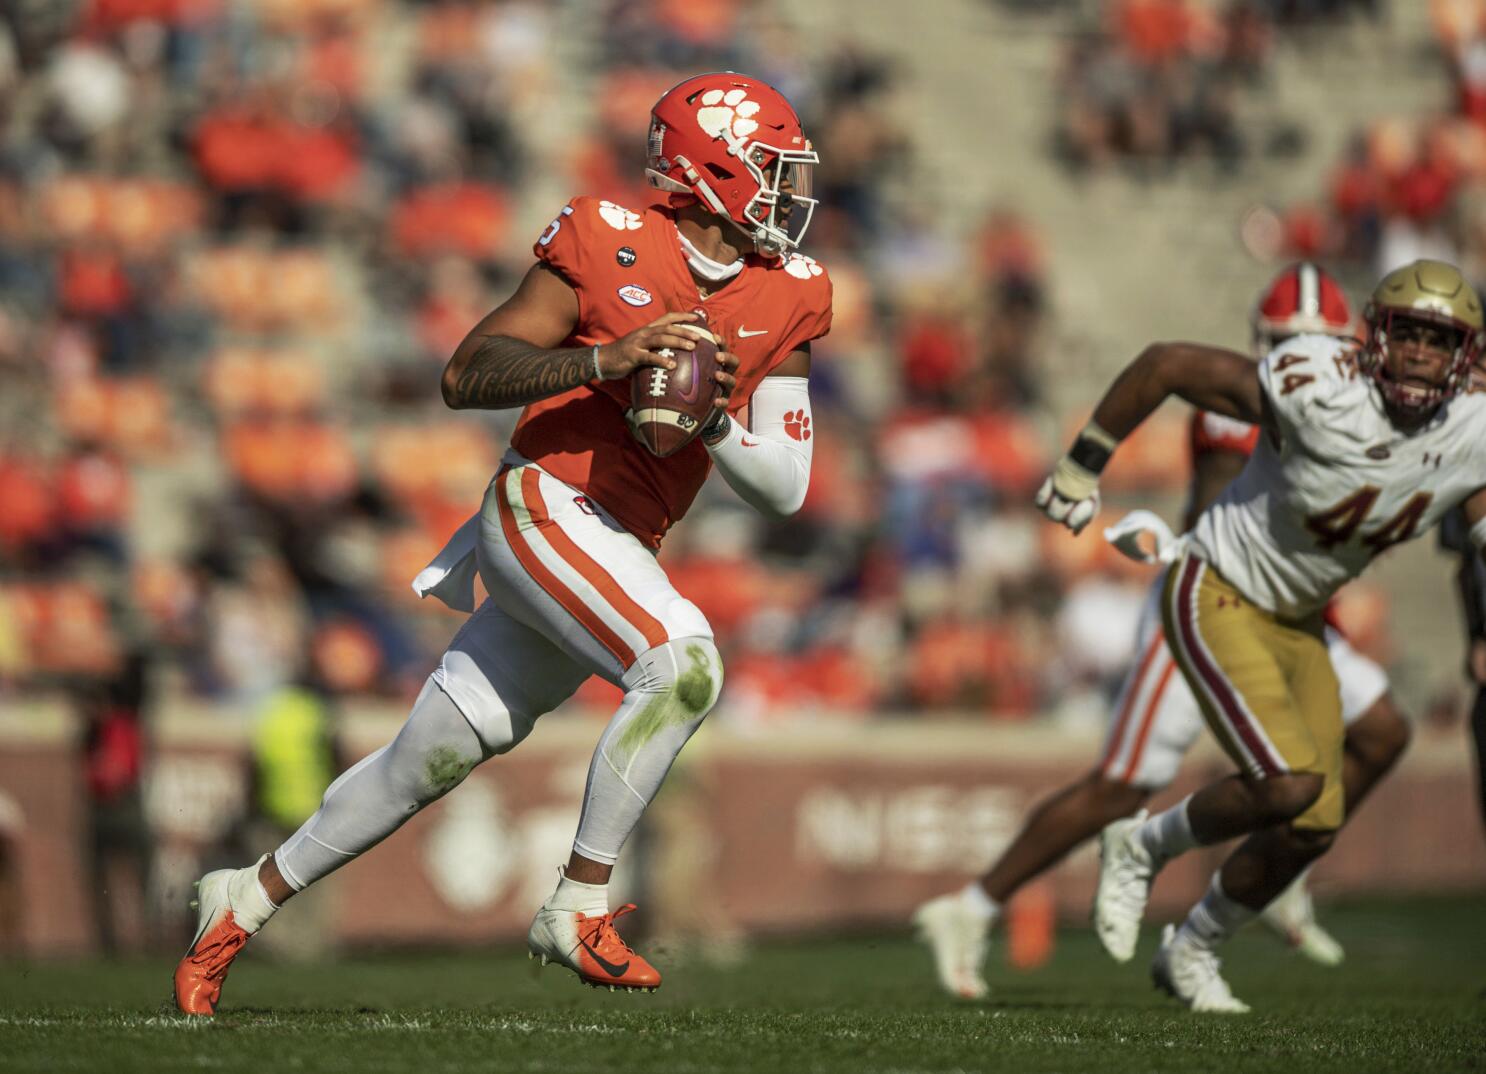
629 269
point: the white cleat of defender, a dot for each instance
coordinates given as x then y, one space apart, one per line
1190 973
1125 872
958 937
1292 916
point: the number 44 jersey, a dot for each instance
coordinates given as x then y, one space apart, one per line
1336 482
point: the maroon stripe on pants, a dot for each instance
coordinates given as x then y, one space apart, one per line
1217 686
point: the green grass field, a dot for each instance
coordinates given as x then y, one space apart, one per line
1409 998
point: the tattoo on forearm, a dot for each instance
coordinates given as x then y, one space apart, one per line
507 372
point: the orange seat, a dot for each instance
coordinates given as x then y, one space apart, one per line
240 381
464 218
446 461
291 458
128 414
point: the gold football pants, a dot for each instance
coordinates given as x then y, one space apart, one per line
1265 686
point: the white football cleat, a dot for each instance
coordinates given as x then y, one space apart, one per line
1125 873
957 937
591 948
1292 916
1190 973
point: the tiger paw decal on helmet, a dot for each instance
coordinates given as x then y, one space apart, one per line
730 111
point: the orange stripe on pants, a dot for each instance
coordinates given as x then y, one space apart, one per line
1117 736
1149 717
591 571
554 588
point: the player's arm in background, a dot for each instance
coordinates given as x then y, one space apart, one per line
768 464
1212 472
1474 592
1475 520
513 357
1211 378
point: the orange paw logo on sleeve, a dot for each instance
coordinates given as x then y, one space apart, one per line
797 424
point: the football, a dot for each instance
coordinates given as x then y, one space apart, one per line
669 406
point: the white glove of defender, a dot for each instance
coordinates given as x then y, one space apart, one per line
1070 495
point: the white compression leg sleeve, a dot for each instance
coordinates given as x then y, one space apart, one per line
668 691
430 756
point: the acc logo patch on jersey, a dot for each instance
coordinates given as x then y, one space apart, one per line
635 295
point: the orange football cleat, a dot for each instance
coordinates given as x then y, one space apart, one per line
592 948
200 975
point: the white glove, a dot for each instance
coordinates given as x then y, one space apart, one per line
1070 495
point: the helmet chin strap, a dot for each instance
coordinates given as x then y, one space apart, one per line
706 267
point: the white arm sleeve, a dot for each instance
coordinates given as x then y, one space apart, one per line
768 464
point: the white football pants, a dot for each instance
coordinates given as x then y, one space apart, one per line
572 594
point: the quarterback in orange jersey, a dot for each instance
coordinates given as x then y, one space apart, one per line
1155 720
565 539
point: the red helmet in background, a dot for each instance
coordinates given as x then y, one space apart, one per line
735 144
1304 297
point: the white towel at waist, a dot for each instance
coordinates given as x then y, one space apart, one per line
1127 532
451 575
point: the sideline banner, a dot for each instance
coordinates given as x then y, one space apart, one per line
820 827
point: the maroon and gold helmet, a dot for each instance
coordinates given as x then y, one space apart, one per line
1434 293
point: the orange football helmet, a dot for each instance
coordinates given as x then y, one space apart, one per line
735 144
1303 298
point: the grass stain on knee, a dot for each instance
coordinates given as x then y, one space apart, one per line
695 688
689 697
445 768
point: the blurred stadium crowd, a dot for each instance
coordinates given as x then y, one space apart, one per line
1409 187
238 241
1155 82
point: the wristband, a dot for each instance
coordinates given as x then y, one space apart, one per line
597 374
715 430
1092 448
1073 481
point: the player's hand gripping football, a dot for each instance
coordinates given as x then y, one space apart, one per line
647 346
727 365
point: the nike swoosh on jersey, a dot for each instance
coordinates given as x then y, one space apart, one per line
608 967
744 333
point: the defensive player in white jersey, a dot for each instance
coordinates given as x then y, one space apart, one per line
1155 719
1361 449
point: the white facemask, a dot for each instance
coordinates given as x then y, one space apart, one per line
704 266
